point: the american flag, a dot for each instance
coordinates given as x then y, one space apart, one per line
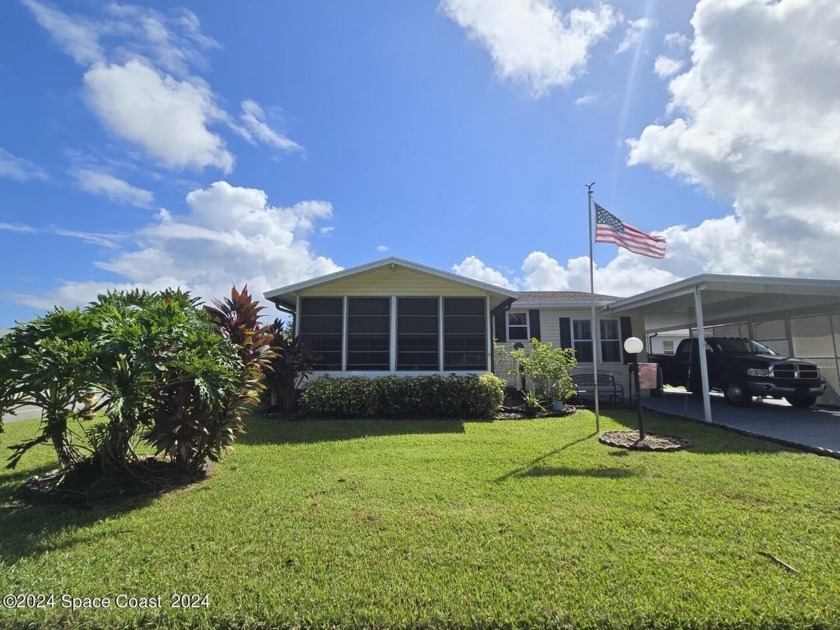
610 229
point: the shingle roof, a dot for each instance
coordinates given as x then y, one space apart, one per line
560 297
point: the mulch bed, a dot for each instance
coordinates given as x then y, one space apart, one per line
86 486
652 441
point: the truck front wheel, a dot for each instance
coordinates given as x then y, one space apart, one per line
737 394
801 402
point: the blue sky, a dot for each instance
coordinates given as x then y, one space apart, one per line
157 144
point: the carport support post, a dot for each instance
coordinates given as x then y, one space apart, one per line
701 349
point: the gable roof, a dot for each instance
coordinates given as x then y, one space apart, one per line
283 294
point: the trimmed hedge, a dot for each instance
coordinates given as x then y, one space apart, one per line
399 396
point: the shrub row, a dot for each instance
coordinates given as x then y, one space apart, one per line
399 396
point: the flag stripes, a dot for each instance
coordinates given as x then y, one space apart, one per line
610 229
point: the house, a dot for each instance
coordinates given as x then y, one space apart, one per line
564 318
396 316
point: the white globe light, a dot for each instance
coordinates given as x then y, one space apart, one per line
633 345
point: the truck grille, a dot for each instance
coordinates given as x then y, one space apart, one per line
795 370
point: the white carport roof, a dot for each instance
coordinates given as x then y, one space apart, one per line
709 300
729 299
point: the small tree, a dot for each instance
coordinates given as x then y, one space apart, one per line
548 369
47 363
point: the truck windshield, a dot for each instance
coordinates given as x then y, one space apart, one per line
743 346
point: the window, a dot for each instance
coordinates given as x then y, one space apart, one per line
582 336
417 334
517 326
320 329
667 346
610 340
464 334
368 333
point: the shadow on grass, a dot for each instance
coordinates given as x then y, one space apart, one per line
523 471
36 529
563 471
261 431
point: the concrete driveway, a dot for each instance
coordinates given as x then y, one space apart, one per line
816 429
24 413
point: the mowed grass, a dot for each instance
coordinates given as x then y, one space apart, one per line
449 524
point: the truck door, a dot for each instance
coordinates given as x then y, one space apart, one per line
680 366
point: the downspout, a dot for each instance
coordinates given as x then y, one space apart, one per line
650 342
289 311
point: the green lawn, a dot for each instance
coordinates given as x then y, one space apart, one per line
449 524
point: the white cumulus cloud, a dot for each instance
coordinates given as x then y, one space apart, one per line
473 267
532 42
627 274
665 67
228 235
756 119
166 117
142 84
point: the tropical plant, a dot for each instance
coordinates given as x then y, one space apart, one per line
48 363
195 388
548 369
237 319
163 370
293 362
532 400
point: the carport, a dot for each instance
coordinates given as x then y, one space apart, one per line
793 316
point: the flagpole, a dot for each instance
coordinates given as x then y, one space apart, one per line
592 305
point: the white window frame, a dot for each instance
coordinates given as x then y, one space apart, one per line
601 339
613 340
509 325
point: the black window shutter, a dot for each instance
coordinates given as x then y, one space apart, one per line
500 326
534 321
626 332
565 332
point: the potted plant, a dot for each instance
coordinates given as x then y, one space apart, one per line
532 404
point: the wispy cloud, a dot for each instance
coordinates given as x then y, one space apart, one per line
108 241
102 183
17 227
586 99
18 168
256 129
635 34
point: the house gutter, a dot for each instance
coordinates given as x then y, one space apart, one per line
285 309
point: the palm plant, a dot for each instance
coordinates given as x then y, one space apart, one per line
48 363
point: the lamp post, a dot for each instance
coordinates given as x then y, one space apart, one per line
633 346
